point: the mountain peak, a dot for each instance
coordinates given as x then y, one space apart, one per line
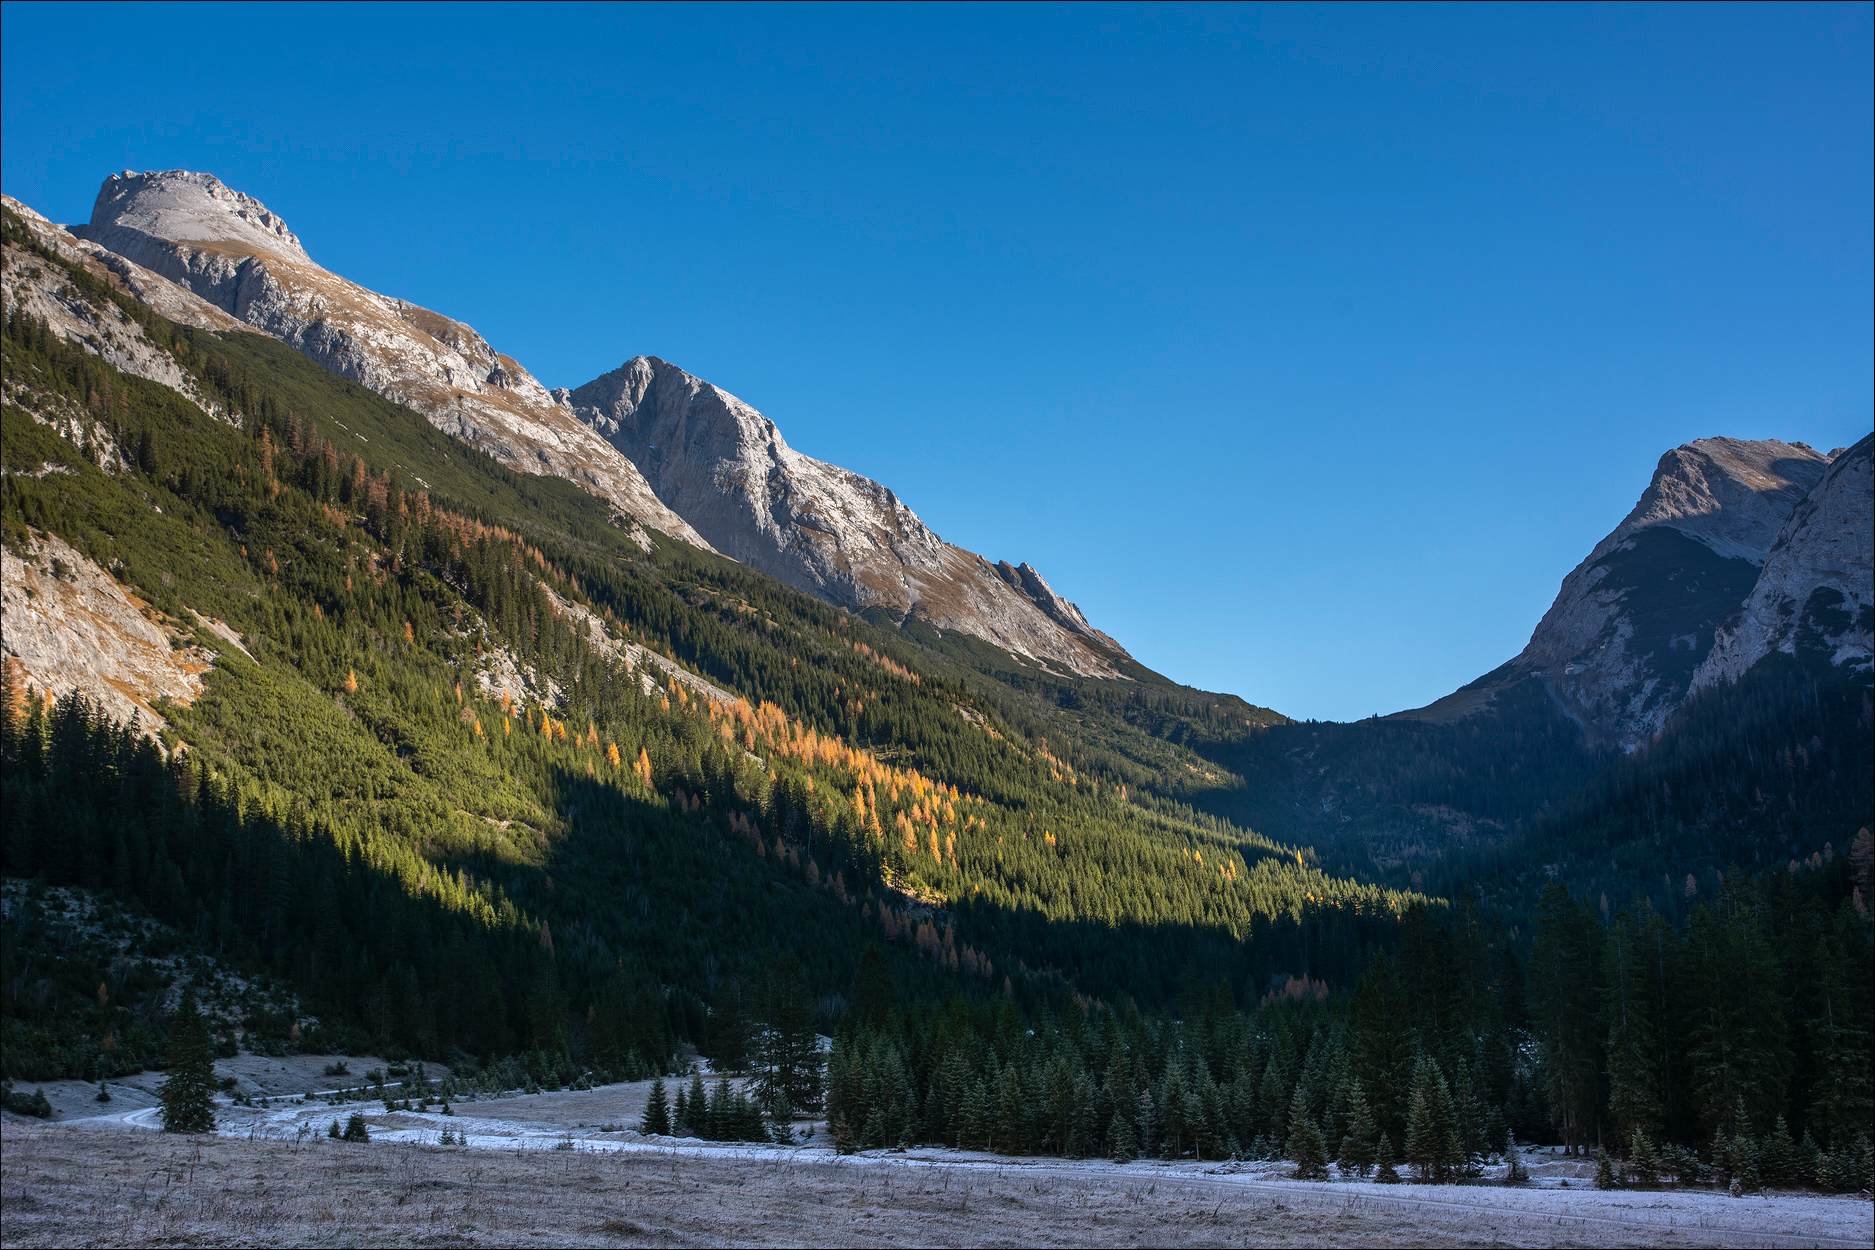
183 206
726 468
1731 494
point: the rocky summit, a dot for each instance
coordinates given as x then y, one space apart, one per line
228 249
726 469
1709 573
667 449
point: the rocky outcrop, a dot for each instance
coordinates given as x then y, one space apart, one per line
42 292
229 250
68 625
845 538
1815 589
1618 649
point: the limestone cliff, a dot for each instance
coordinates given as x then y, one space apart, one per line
727 469
68 625
1814 591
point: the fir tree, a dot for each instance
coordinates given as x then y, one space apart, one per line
189 1092
657 1116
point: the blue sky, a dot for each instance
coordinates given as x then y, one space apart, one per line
1307 349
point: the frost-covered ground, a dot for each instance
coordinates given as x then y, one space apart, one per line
532 1147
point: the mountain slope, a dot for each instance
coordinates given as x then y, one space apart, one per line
816 526
717 467
853 789
228 249
1618 648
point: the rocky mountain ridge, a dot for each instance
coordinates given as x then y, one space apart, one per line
230 251
1663 605
736 487
821 528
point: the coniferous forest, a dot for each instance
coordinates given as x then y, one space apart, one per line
494 780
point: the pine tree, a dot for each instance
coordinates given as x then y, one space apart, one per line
657 1116
356 1129
1642 1161
335 1132
1384 1172
788 1058
1432 1145
1357 1146
189 1092
1605 1175
1305 1142
1121 1144
680 1116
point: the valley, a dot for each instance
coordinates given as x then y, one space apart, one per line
368 698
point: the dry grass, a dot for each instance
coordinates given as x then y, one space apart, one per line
76 1185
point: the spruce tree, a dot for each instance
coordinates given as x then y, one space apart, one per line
189 1092
356 1129
1357 1147
657 1116
1420 1129
1605 1175
1779 1157
1305 1142
699 1125
680 1117
1384 1173
1121 1144
1642 1161
787 1052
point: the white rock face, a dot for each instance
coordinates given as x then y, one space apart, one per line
1618 648
42 291
1815 589
80 630
228 249
726 469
